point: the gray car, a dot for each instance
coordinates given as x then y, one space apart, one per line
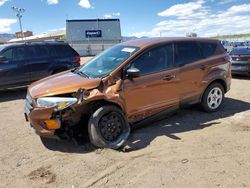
241 60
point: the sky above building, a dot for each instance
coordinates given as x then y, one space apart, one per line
138 17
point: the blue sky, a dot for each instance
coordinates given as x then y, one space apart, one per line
138 17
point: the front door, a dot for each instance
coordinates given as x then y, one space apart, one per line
13 71
157 87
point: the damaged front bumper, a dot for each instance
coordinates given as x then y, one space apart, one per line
41 119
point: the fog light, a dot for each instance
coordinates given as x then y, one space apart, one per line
53 124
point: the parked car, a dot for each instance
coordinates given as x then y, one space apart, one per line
240 60
21 64
129 83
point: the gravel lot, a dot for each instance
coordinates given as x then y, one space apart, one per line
189 149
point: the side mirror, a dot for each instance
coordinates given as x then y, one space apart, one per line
133 73
2 59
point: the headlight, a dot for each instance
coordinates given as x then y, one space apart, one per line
58 102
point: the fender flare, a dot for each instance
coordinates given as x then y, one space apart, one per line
218 75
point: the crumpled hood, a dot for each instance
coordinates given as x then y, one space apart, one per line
63 83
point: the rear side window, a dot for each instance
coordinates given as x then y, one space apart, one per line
43 51
32 52
71 50
64 51
8 54
19 53
208 49
187 52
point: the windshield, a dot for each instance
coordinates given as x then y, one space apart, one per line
109 60
240 51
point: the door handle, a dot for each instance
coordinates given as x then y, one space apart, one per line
204 67
169 77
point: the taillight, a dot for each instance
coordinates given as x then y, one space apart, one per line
249 60
78 60
228 58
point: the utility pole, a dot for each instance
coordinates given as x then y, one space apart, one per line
19 12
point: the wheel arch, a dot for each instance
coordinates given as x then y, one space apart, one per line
216 80
101 102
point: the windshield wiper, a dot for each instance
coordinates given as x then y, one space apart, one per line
81 73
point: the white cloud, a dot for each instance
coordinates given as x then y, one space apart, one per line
5 24
197 17
2 2
108 16
85 4
222 2
184 9
57 29
52 2
117 14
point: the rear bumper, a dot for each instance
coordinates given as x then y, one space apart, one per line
236 72
240 68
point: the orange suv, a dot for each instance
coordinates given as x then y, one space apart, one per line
129 83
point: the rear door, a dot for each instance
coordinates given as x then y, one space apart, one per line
193 68
13 71
39 60
158 86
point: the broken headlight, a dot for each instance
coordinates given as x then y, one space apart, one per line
59 103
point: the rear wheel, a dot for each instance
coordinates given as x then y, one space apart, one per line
213 97
108 127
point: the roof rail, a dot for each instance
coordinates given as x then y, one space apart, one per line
44 41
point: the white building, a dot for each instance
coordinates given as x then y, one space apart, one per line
90 37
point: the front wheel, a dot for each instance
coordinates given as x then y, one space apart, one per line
213 97
108 127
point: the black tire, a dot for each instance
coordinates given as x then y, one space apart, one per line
108 128
206 105
49 143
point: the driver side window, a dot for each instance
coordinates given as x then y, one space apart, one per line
155 60
8 54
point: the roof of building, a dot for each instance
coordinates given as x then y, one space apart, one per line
41 36
93 20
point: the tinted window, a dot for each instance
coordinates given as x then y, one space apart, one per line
155 60
71 51
208 49
43 51
187 52
8 54
32 51
61 50
240 51
19 53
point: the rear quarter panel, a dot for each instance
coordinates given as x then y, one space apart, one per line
220 70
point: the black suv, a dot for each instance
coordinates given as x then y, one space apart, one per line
21 64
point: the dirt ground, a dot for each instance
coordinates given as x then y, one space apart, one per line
189 149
